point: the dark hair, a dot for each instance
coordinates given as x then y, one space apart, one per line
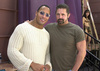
41 6
64 6
84 15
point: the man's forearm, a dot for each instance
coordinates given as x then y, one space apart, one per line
79 60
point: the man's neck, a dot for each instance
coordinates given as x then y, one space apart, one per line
35 24
63 23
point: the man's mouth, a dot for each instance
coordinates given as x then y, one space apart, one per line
60 21
42 20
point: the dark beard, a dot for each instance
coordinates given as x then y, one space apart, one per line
60 21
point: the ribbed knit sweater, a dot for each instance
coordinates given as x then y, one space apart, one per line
27 44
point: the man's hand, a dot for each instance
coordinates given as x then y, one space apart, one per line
47 67
36 66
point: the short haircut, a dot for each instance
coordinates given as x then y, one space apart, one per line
64 6
41 6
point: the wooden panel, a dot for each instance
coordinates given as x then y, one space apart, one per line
95 7
94 1
98 28
3 46
96 16
8 21
8 4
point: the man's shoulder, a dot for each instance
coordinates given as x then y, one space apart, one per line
75 26
20 26
24 25
50 25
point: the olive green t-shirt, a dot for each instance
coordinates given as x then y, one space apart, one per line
63 41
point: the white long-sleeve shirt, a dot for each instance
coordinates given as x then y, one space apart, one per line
27 44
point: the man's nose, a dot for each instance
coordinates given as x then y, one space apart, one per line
44 15
60 16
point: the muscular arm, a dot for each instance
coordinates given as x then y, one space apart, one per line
81 47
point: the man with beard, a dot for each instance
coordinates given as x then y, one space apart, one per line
28 47
67 42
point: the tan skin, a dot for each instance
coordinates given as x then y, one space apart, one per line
61 13
39 19
39 22
81 46
86 25
87 14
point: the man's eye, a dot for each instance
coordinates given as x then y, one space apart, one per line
42 13
57 14
62 14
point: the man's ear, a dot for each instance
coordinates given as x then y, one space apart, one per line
36 13
68 15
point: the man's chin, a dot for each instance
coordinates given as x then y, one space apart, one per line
60 22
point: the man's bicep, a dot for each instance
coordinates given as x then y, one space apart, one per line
81 45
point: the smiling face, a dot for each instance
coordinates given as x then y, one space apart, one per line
42 16
87 14
62 16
